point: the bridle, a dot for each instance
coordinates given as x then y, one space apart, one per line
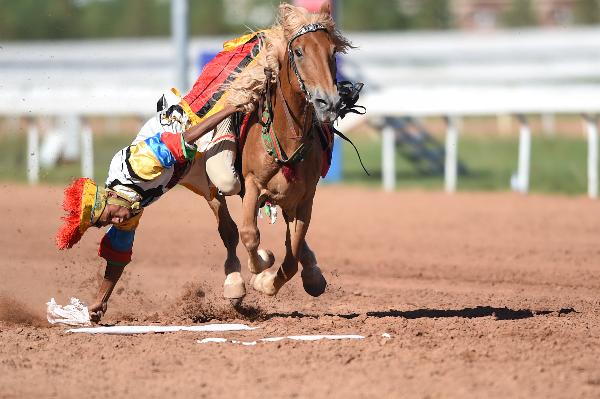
349 94
270 139
291 56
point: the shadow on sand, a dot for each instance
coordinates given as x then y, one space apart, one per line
468 313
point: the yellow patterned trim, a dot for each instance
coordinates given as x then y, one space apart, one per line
88 199
233 43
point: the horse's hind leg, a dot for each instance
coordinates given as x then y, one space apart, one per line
312 279
233 288
258 260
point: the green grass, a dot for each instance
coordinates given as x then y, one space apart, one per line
558 164
13 159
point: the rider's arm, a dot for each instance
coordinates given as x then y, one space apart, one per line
116 248
147 159
194 133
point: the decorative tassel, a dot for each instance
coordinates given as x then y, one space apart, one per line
69 234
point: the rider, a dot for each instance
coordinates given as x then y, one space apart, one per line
138 175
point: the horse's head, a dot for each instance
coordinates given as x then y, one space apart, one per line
312 42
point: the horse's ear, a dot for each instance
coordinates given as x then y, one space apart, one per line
326 7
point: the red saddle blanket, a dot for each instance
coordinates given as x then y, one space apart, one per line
209 93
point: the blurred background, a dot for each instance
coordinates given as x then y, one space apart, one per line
460 94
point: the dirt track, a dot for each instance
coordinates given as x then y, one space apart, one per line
484 295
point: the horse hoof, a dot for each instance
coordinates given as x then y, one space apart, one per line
265 283
266 259
234 287
313 281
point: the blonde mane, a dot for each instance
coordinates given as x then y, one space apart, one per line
249 86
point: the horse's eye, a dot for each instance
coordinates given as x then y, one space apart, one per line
298 52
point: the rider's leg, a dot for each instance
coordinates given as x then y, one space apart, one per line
220 160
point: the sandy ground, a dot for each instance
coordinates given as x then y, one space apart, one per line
484 295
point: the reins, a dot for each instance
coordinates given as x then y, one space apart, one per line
270 139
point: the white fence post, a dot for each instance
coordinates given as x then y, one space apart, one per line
451 161
592 159
179 34
388 158
33 153
87 151
522 181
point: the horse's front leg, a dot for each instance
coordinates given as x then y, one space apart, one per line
233 288
297 221
258 260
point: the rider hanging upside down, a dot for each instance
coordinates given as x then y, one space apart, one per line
139 175
190 141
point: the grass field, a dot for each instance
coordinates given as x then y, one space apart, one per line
558 164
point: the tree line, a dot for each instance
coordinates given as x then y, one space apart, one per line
86 19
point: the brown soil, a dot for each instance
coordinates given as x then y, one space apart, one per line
484 295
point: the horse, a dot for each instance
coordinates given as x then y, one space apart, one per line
300 100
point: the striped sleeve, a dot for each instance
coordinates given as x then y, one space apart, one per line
117 244
176 144
148 158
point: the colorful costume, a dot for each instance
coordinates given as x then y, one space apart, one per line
143 172
209 94
159 158
139 174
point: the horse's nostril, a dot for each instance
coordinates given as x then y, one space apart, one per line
321 103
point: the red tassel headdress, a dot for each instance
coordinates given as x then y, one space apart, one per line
82 206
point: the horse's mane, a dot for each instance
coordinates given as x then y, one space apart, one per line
249 86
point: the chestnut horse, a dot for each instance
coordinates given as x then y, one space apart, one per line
282 156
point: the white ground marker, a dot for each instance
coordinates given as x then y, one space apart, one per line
276 339
129 330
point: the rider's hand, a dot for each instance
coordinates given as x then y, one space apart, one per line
97 310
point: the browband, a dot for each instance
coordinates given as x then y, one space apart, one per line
304 30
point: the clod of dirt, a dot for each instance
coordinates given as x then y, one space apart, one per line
199 305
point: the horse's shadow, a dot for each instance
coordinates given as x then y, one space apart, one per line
467 313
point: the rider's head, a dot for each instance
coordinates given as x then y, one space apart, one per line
87 205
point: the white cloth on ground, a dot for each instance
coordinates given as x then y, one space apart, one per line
73 314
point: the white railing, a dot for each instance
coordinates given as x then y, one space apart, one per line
456 74
449 74
472 101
